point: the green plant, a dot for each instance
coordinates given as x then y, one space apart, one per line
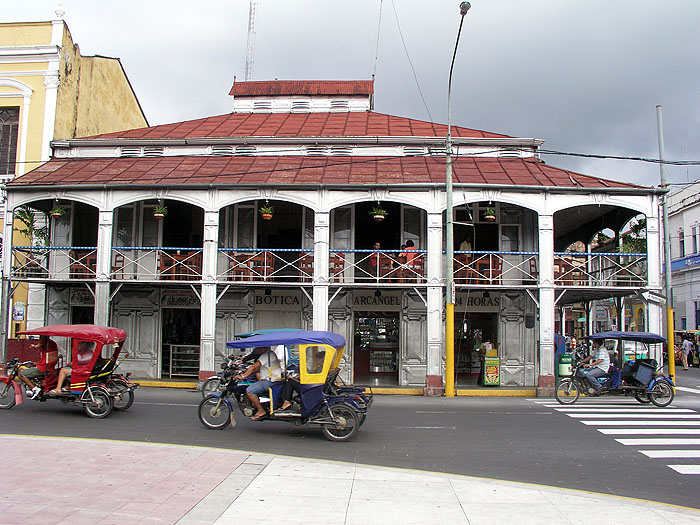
57 212
489 212
160 210
38 235
376 211
635 240
267 209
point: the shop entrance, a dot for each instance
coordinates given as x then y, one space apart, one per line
82 314
472 331
180 342
376 348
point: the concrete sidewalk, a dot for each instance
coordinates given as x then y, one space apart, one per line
73 481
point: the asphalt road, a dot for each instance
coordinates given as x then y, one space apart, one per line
529 440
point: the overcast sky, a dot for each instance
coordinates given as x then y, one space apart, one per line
585 76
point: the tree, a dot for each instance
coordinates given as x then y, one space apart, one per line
635 240
37 235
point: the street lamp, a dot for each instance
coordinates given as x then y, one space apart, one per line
449 276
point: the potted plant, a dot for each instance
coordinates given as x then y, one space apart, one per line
57 212
160 211
266 212
379 214
489 215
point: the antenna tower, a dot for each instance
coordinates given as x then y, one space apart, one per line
251 41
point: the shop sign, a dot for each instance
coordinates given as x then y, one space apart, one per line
278 300
368 300
81 297
179 298
492 371
478 302
18 312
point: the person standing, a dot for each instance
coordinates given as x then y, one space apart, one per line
686 348
374 260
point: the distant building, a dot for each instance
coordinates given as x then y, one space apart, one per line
684 230
48 91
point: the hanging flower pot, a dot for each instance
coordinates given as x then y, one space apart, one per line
160 212
379 214
489 215
57 212
266 212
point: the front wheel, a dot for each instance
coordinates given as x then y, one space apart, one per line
211 385
124 397
567 391
345 426
99 405
641 396
661 394
7 396
214 413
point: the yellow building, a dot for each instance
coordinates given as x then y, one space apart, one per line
48 91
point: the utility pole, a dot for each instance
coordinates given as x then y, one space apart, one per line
250 47
667 251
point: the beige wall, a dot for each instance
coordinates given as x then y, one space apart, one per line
25 34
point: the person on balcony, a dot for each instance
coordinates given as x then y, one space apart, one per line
409 253
374 260
465 245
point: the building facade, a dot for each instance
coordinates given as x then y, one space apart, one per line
48 91
350 190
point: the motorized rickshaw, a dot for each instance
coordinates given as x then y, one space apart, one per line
339 409
634 370
92 384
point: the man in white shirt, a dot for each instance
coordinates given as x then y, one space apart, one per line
270 372
598 364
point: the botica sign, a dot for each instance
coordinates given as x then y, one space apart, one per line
278 300
386 301
478 302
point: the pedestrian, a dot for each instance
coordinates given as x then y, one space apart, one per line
686 348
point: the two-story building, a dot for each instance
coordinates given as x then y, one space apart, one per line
349 188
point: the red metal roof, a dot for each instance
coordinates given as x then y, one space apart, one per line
345 124
306 170
88 332
302 87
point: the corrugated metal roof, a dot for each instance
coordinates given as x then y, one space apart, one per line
343 124
260 88
306 170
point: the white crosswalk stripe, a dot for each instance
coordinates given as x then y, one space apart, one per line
662 429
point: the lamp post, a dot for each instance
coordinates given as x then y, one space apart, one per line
449 276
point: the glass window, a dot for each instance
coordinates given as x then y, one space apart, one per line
125 226
245 225
510 239
694 234
411 226
9 129
342 231
681 243
314 359
308 241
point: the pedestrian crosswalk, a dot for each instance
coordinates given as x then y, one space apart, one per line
668 434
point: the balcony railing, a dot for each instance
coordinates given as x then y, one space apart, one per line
265 265
600 269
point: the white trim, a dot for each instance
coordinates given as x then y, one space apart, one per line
51 83
26 93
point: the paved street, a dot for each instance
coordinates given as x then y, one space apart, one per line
591 446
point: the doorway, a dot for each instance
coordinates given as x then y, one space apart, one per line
472 330
82 314
180 338
376 348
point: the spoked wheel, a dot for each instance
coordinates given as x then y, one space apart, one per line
567 391
7 396
641 396
214 413
346 424
361 420
661 394
100 405
211 385
124 398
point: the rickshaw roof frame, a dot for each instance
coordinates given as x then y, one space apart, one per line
86 332
290 337
640 337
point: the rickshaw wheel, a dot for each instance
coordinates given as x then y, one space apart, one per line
102 405
567 391
124 399
641 396
7 396
661 394
347 425
211 385
214 413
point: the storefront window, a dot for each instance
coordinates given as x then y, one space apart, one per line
510 241
342 231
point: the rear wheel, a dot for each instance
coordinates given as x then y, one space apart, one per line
345 426
211 385
661 394
214 413
567 391
641 396
123 397
99 405
7 395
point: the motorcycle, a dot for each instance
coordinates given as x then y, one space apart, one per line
638 377
217 382
338 410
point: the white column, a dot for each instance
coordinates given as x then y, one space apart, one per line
320 283
434 384
545 382
103 267
207 340
51 83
